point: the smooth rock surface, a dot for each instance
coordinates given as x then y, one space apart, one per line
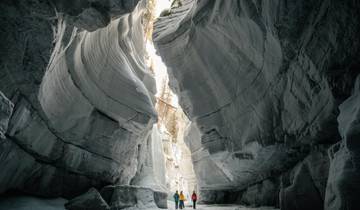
151 163
83 96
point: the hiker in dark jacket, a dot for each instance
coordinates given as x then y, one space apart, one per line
176 199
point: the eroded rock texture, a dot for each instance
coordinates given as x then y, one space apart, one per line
83 97
344 176
261 81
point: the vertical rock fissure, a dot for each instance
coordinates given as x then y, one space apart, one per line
172 122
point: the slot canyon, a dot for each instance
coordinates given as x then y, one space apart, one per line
116 104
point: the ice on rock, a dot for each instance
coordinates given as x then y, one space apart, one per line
151 163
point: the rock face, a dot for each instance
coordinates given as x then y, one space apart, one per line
344 175
151 161
83 97
6 108
261 81
263 193
304 186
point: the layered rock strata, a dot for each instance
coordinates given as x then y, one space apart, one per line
83 97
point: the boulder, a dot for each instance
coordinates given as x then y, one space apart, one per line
220 196
133 197
302 193
304 186
264 193
91 200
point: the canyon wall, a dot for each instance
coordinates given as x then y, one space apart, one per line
83 98
269 86
262 82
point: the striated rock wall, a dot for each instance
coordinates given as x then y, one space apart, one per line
262 82
83 97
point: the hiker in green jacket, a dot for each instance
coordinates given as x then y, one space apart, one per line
176 199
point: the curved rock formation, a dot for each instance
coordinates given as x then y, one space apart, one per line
269 87
262 82
89 121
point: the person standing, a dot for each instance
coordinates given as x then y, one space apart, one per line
182 200
176 199
194 199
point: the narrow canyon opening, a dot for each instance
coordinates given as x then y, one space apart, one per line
172 122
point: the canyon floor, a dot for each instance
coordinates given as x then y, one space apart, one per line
222 207
32 203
